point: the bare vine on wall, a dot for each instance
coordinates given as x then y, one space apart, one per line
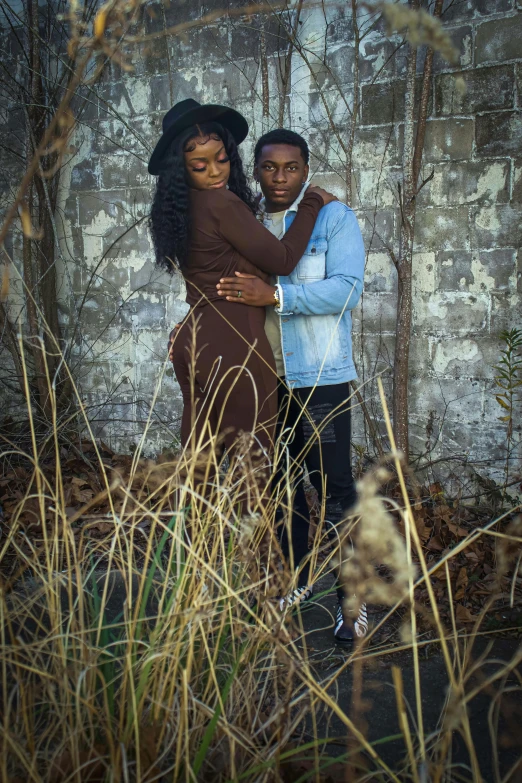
508 382
58 53
108 36
415 116
418 27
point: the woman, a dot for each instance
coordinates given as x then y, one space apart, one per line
203 220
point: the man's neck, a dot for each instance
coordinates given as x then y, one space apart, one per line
271 208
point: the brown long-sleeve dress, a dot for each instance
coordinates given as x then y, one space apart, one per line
222 359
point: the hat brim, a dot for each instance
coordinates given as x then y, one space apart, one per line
229 118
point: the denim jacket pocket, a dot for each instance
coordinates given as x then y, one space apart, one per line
312 265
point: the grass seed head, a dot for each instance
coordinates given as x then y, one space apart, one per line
419 28
375 541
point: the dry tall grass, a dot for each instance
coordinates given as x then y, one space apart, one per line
136 655
139 655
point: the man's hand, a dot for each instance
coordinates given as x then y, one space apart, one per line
253 290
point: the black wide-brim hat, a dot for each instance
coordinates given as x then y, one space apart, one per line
190 112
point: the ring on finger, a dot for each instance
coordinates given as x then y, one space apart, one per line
239 294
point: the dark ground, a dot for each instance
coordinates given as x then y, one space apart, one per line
379 693
314 628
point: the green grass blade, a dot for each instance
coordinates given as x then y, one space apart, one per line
211 728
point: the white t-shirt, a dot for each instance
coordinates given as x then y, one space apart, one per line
275 223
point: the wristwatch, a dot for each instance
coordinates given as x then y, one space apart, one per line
277 301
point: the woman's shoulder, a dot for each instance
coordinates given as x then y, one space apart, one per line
217 198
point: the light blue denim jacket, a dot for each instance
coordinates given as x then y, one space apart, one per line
317 299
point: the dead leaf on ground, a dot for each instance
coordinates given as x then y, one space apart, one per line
103 526
464 615
435 544
460 532
462 583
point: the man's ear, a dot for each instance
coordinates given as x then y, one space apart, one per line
256 173
306 173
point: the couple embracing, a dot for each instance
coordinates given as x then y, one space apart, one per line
265 348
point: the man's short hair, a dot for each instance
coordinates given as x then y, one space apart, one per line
282 136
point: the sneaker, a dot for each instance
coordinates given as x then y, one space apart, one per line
296 597
346 629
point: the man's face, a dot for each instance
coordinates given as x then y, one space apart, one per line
281 172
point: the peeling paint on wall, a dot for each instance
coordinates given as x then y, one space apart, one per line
466 282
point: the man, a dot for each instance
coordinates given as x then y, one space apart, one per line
308 324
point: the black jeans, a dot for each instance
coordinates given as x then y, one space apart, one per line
318 436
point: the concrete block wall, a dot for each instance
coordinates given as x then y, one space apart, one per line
467 262
467 269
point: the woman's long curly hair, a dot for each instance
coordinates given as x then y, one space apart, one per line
170 215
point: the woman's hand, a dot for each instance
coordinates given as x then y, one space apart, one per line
325 195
